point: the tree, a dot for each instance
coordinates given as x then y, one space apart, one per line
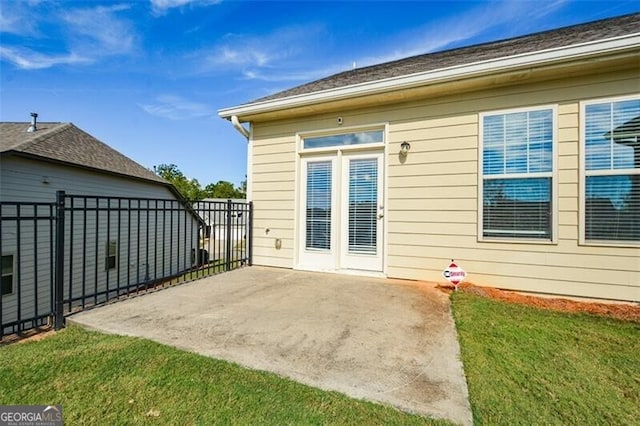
188 188
193 191
243 188
223 189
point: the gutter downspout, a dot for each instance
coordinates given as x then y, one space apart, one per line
247 134
239 127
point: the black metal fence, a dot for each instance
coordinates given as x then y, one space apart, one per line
58 258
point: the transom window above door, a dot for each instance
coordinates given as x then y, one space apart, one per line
344 139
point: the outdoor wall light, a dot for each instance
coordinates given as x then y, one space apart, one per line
405 147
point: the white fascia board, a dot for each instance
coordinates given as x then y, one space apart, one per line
474 69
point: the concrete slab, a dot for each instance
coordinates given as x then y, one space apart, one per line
389 341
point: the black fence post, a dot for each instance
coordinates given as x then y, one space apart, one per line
228 237
250 236
58 312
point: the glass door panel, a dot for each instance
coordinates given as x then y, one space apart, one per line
362 212
363 205
318 208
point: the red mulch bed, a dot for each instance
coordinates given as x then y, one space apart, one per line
623 311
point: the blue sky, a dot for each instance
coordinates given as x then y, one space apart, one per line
147 76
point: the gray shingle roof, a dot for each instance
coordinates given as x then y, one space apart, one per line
597 30
64 142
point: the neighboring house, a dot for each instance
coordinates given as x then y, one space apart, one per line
517 158
222 222
129 226
214 213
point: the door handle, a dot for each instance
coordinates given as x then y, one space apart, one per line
380 215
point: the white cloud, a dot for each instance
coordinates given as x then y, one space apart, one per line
263 50
297 53
160 7
285 73
64 35
282 55
112 35
17 17
513 15
177 108
30 60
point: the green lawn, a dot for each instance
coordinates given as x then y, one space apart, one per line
523 366
104 379
529 366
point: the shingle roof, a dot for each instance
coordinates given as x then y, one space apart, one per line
577 34
66 143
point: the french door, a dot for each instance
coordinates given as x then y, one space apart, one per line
341 212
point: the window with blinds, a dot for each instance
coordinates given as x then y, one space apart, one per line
363 205
318 232
612 170
517 173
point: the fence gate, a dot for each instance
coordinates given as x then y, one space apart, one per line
59 258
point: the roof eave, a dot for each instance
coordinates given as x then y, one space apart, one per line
28 155
165 183
442 75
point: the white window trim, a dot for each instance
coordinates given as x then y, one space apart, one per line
582 174
13 275
553 174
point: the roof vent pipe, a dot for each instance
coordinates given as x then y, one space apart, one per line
239 127
33 127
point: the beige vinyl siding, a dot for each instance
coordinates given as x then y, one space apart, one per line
432 195
273 166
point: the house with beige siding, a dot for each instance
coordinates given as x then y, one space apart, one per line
124 224
519 158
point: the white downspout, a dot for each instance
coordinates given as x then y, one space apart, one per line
247 134
239 127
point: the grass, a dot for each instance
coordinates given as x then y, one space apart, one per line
530 366
523 366
107 379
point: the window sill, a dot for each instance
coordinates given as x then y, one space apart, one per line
609 243
517 241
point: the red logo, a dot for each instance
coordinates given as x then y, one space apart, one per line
454 274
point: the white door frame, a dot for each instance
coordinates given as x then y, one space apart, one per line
337 258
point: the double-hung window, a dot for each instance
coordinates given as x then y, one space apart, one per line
611 189
517 163
110 260
6 275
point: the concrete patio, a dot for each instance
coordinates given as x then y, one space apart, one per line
388 341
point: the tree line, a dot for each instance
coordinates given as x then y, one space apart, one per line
191 189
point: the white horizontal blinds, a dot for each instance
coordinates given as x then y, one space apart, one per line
363 204
346 139
612 171
318 223
517 160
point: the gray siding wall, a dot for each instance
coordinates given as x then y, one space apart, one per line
150 244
